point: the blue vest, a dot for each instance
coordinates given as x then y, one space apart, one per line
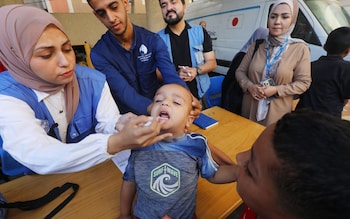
196 39
91 83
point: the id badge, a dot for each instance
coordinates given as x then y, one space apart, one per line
268 82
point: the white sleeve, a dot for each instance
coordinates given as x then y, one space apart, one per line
107 112
25 139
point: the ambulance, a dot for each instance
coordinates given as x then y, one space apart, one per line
230 23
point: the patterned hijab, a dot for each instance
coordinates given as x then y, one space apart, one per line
294 6
21 27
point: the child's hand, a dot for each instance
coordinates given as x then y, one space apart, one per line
219 156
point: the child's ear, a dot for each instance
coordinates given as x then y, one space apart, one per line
189 121
348 51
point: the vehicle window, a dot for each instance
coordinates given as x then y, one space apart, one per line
329 13
303 30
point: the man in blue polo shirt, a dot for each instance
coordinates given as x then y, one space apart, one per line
129 56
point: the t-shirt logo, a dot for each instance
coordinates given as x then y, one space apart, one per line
165 180
144 55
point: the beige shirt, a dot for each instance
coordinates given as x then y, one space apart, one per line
293 77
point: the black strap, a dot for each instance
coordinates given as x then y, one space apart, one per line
257 44
52 130
37 203
231 91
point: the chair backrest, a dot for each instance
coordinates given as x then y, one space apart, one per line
213 94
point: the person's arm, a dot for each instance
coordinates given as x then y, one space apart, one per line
223 171
227 170
28 143
127 194
242 70
225 174
219 156
135 135
209 55
190 73
209 64
121 89
131 133
301 71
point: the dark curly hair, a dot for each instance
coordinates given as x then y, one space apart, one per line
338 41
314 180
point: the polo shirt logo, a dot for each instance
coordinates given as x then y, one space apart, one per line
165 180
143 49
144 55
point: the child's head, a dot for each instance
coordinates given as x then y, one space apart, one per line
338 42
298 168
173 104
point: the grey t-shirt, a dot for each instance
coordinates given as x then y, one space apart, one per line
166 175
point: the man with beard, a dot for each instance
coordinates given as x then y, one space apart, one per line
190 47
129 55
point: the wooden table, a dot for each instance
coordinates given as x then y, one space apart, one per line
98 195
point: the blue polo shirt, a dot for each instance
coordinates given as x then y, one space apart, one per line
131 74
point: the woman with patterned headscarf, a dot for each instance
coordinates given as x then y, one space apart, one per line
279 70
56 116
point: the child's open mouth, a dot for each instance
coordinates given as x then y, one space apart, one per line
163 115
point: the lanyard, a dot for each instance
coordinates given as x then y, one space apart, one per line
271 60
